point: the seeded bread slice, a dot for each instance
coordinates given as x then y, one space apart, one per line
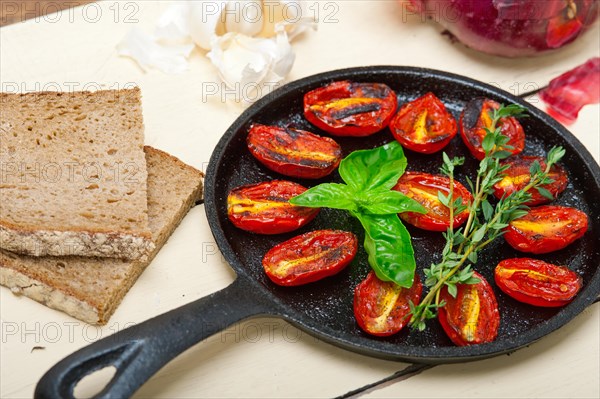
73 174
90 289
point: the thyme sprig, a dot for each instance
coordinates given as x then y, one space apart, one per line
485 221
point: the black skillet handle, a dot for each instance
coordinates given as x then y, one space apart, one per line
140 351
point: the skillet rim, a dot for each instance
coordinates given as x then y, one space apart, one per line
372 346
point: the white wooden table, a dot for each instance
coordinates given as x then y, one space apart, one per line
267 357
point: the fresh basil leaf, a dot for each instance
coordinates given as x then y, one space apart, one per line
385 202
380 167
330 195
389 248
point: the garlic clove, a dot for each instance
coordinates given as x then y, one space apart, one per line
244 16
206 21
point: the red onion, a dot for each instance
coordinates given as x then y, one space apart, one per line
512 28
568 93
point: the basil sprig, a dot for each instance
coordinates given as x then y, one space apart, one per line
389 247
370 176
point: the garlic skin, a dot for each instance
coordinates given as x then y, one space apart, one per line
252 66
248 41
174 23
149 53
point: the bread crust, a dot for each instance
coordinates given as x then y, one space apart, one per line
63 243
21 284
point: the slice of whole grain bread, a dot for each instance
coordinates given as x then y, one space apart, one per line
90 289
73 174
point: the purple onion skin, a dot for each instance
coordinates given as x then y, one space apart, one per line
512 28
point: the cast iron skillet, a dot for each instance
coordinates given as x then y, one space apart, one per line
324 308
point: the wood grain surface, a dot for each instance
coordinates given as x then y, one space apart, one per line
15 11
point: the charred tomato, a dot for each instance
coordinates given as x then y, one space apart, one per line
424 188
310 257
424 125
347 108
476 117
546 228
264 208
537 282
382 308
518 175
472 317
293 152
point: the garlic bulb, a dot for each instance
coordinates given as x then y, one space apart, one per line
248 41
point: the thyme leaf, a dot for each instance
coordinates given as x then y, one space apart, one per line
485 222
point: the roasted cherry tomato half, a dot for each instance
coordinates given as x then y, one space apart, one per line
472 317
350 109
264 208
310 257
424 125
477 116
517 176
293 152
423 188
382 308
546 228
536 282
